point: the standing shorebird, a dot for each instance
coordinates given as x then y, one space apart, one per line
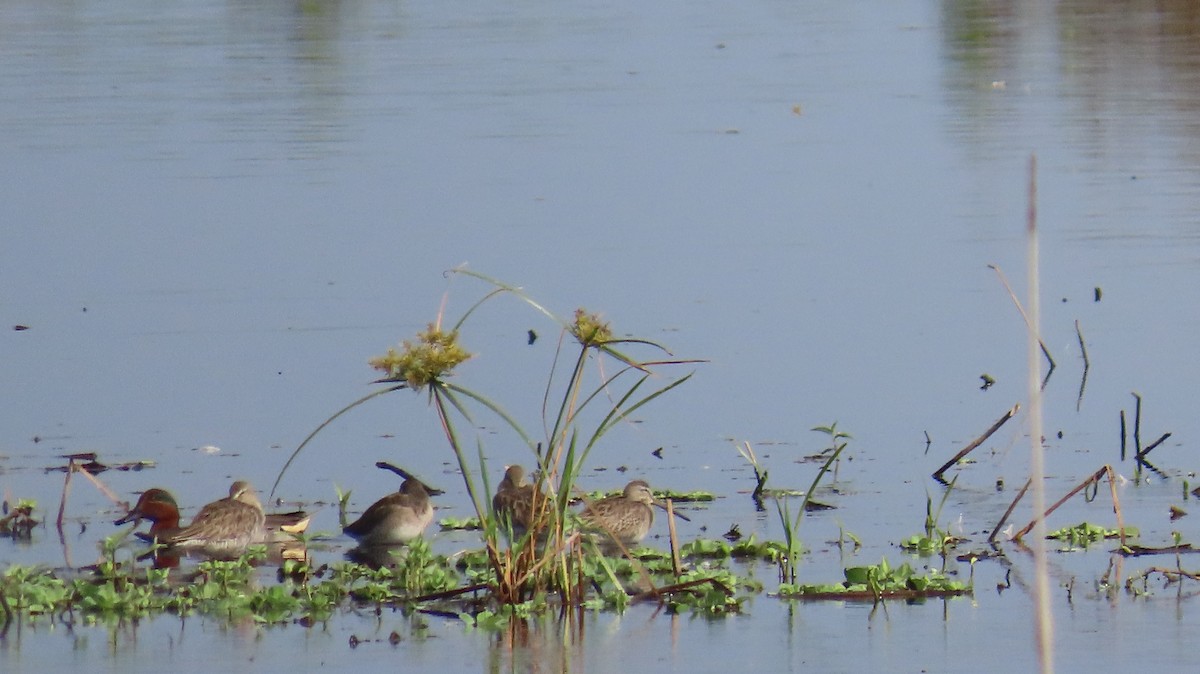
625 518
517 501
226 526
395 518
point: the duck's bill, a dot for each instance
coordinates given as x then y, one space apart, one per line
131 517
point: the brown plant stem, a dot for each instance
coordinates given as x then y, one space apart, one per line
676 565
1043 622
657 593
1137 424
1143 551
446 594
1172 575
1086 366
1007 513
1091 479
1112 486
1013 296
62 504
112 496
937 474
1140 455
868 595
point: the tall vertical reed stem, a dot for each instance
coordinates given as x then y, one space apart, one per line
1043 620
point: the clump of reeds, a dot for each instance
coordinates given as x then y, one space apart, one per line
578 411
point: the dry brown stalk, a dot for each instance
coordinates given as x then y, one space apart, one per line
1043 618
676 565
1013 296
1011 507
937 475
657 593
62 504
1086 366
1090 480
1172 575
1112 486
1140 455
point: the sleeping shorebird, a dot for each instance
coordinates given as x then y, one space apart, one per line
395 518
222 527
158 506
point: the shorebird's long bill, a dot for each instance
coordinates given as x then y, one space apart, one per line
433 491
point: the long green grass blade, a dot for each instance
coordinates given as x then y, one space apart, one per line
440 396
497 409
512 289
347 408
485 298
612 420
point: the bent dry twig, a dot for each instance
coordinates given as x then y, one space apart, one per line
1087 365
1017 302
62 504
937 474
1092 479
1142 454
1007 513
658 593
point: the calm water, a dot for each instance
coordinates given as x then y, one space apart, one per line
215 212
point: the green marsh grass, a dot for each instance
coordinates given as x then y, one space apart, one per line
936 540
791 527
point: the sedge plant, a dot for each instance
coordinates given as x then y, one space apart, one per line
577 412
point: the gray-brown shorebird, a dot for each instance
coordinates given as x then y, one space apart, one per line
395 518
158 506
517 501
226 526
625 518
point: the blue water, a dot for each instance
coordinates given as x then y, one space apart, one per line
215 213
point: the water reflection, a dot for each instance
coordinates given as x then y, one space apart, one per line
1125 73
542 644
300 82
258 78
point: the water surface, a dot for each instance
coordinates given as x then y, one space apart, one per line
215 212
